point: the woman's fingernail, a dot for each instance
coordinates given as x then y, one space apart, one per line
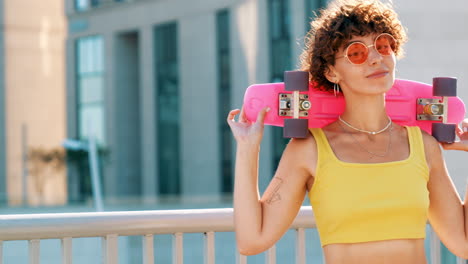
268 110
465 129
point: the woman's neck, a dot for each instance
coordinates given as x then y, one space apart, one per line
366 112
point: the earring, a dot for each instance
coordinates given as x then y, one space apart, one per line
336 88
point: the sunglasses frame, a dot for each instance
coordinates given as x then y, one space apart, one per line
367 47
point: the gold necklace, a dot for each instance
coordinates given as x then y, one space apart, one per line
373 154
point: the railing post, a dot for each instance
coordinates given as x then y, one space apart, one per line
300 246
178 248
209 253
271 255
110 249
435 248
34 251
1 252
148 249
240 259
67 250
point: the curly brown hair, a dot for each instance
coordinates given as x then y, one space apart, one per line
338 23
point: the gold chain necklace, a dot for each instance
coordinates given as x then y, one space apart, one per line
368 151
365 131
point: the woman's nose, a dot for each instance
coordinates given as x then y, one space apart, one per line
374 56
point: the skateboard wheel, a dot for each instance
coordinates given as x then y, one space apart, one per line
296 81
295 128
444 86
444 132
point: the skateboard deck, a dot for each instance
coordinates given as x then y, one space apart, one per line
408 103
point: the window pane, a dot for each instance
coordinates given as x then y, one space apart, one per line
91 89
168 120
80 47
99 52
95 2
81 5
312 7
280 61
92 121
224 99
89 54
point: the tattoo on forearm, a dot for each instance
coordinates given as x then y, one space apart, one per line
272 194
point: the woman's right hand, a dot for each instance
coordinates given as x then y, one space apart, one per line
462 134
245 131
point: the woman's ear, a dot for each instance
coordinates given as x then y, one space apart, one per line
331 74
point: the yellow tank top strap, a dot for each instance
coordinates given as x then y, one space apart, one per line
415 138
418 153
323 148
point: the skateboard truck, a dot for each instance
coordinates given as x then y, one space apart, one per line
432 109
437 109
294 104
288 103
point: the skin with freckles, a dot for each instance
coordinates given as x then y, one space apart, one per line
260 220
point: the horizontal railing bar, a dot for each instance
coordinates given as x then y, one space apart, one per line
126 223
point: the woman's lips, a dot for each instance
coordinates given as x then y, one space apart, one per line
377 74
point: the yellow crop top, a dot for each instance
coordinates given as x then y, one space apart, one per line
355 202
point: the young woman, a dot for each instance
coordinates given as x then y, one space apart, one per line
373 184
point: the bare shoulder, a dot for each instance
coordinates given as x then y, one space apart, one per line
302 148
302 152
432 150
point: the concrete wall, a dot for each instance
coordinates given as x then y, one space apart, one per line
34 33
3 189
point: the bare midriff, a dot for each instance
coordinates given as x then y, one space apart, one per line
401 251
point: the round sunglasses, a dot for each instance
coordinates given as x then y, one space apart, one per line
358 52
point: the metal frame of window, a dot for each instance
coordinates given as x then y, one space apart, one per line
89 52
280 60
168 108
224 98
312 6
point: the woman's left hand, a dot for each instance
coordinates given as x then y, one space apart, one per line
462 133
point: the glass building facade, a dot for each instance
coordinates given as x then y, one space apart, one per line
168 108
90 88
280 61
224 98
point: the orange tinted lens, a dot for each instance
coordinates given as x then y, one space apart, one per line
357 53
385 44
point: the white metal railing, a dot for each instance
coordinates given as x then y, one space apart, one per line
110 225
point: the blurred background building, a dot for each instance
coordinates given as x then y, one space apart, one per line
153 81
32 102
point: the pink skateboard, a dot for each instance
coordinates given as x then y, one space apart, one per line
297 105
